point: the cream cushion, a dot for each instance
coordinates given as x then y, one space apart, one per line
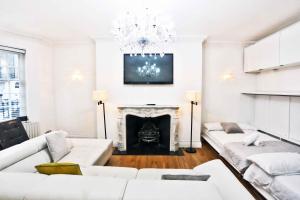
14 186
65 187
57 144
175 190
107 171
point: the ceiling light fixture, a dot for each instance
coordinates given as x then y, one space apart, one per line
145 32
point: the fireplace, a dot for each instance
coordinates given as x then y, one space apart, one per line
148 129
148 135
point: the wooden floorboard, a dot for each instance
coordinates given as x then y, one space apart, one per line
188 161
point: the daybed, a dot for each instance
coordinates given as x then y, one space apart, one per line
231 146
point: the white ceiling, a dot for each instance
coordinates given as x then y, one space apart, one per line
76 20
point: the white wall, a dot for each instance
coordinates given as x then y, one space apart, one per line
39 77
187 76
74 81
222 99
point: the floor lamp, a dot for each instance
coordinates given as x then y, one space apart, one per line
100 96
193 97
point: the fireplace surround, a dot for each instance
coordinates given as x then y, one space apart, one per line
148 129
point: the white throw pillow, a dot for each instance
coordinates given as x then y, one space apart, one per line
57 144
277 163
213 126
250 139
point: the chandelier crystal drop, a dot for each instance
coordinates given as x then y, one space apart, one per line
145 32
148 70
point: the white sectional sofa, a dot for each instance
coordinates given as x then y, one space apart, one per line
23 157
19 179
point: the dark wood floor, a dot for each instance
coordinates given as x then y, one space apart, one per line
188 161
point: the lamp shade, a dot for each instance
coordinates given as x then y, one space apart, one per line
99 95
193 95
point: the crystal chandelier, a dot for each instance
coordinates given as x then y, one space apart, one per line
142 33
148 70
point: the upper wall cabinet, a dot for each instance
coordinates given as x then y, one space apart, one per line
262 55
277 50
290 45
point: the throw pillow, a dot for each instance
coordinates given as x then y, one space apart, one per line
57 144
59 168
250 139
213 126
185 177
230 127
277 163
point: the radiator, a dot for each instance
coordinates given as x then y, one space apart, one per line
32 129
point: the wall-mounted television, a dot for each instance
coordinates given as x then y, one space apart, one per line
148 69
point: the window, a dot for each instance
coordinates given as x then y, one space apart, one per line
12 83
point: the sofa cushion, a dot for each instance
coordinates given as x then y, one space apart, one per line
87 152
59 168
78 188
16 153
84 156
175 190
27 164
113 172
12 132
15 186
225 181
156 174
57 144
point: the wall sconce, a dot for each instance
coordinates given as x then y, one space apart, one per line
228 76
77 76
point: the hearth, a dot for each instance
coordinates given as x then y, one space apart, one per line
148 135
148 129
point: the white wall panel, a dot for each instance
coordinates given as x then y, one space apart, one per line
278 111
295 119
261 112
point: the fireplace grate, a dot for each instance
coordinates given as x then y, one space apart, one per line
149 133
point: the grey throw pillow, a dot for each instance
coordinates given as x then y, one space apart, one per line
230 127
185 177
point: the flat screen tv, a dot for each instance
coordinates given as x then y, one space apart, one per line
148 69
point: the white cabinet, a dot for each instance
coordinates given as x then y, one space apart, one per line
278 119
290 45
294 119
262 55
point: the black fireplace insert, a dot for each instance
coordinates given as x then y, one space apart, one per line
149 136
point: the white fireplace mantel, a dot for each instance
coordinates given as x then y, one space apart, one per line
148 111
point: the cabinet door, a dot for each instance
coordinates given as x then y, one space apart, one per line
294 119
290 45
278 123
262 55
268 52
261 112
